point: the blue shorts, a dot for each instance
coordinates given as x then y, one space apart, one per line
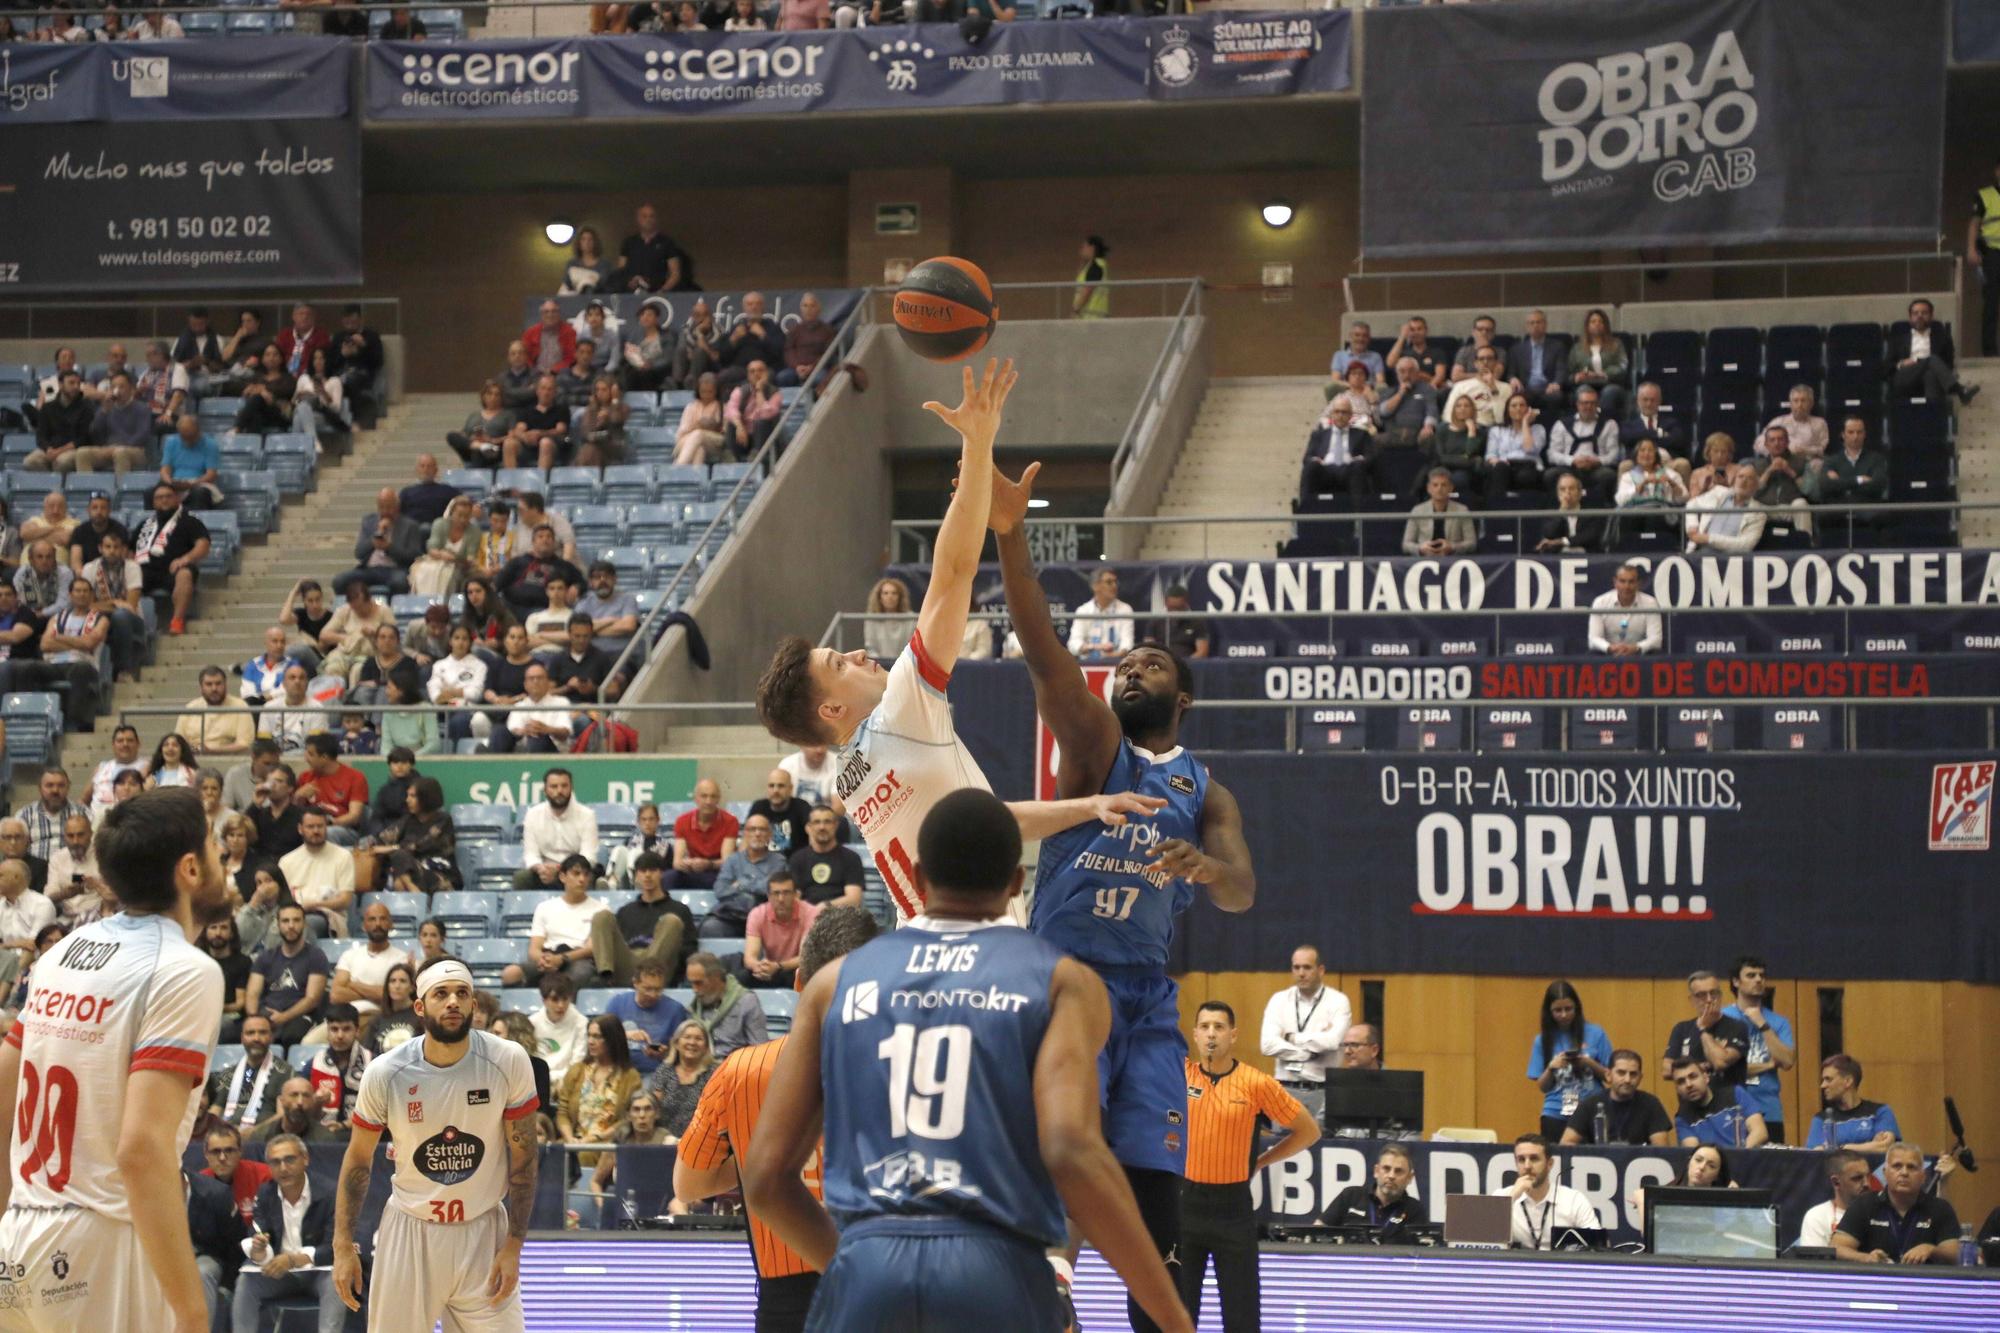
934 1275
1142 1071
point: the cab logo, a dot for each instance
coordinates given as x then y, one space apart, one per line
1961 817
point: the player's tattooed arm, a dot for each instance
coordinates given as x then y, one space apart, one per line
524 1160
355 1168
1222 862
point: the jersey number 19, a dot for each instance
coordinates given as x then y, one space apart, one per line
923 1099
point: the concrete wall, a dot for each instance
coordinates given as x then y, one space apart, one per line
1162 434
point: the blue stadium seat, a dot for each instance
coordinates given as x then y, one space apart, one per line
667 564
520 999
37 484
570 486
487 958
520 479
594 1000
617 821
1733 357
700 902
471 914
517 911
406 910
302 1055
1794 352
1854 354
483 822
778 1007
650 444
1672 359
653 524
596 527
682 485
471 481
631 562
628 484
496 865
33 720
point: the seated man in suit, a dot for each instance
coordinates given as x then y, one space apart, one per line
1336 456
1571 527
216 1229
1922 362
1439 525
292 1240
1855 473
1536 366
1647 422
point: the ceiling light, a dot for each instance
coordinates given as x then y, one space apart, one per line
1277 213
562 233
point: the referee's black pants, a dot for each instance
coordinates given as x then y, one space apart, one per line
1219 1223
783 1302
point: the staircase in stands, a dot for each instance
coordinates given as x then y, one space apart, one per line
1241 457
315 539
1979 453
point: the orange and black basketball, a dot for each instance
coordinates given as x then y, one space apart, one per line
945 309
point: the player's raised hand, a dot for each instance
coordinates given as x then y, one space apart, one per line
1010 499
1114 807
347 1276
1177 858
977 417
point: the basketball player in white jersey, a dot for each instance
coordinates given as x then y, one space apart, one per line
899 752
102 1073
459 1108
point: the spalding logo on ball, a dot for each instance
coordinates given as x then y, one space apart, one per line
945 309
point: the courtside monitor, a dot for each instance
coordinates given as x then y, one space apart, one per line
1711 1223
1375 1096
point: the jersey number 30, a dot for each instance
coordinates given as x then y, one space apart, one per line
45 1123
928 1071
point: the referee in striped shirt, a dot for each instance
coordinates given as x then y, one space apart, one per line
1226 1100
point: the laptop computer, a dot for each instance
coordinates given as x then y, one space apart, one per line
1478 1221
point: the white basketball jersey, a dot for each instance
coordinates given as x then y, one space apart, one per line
905 758
448 1126
121 995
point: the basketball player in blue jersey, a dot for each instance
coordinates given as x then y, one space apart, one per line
1110 896
952 1067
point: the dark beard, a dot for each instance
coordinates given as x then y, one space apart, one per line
1146 715
435 1029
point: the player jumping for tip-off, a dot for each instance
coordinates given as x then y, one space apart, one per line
899 753
1110 895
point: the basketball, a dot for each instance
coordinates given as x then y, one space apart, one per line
945 309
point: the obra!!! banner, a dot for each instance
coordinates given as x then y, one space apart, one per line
877 69
1652 122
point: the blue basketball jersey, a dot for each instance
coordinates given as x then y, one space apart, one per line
1094 898
927 1057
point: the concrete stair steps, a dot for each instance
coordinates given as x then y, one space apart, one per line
1239 458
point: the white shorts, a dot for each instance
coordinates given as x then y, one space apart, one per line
425 1272
70 1268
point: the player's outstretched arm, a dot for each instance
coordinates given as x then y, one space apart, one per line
149 1158
962 535
1092 1184
356 1166
788 1132
1224 867
1042 819
1086 732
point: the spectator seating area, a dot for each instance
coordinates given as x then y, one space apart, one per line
1730 380
250 18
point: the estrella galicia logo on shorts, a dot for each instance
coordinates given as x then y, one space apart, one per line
449 1156
1181 782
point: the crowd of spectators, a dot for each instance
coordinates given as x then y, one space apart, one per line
1518 423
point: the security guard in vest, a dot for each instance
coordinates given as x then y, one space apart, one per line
1093 298
1226 1099
1982 247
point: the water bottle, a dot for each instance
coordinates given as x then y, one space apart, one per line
630 1199
1601 1125
1968 1247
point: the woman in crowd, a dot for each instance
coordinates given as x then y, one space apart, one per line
486 428
1361 396
649 357
642 1126
431 940
745 18
1598 359
449 554
754 408
415 731
602 437
1707 1168
486 612
506 682
597 1089
1719 453
233 833
47 938
458 683
270 892
516 1028
209 787
267 396
388 660
220 941
1460 448
1650 481
886 639
423 845
319 402
302 617
700 438
1569 1059
587 268
396 1021
173 764
677 1085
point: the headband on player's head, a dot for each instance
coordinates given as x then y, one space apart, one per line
439 973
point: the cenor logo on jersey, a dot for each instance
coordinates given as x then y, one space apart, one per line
450 1156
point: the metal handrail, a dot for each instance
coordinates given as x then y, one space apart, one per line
1387 277
765 459
1149 396
372 710
227 304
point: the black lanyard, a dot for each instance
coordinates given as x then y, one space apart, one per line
1535 1232
1312 1009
